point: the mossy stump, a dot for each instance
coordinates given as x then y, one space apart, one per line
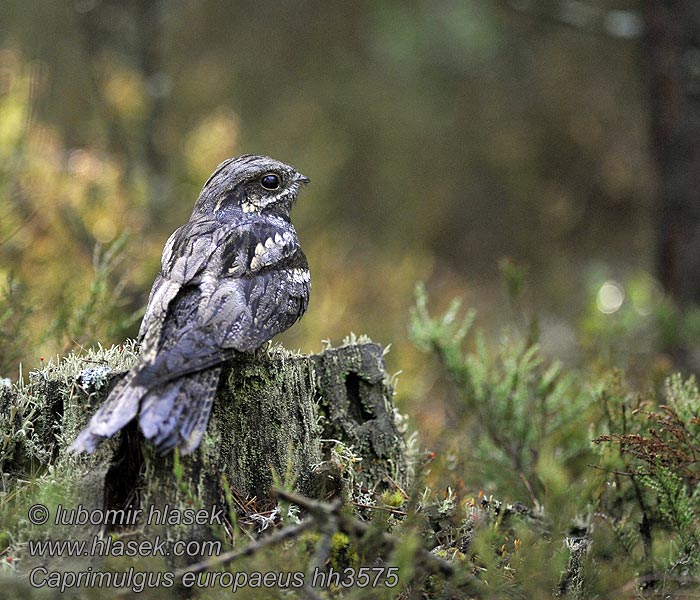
317 424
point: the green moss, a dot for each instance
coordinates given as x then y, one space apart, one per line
393 498
343 553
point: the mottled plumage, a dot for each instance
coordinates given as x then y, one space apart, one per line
231 279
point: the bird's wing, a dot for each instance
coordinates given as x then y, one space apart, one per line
184 258
254 285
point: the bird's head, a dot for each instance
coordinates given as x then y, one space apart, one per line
250 183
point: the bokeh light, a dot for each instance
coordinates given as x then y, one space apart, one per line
610 297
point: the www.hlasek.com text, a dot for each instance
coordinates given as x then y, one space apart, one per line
109 546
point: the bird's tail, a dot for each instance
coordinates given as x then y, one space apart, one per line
118 409
178 412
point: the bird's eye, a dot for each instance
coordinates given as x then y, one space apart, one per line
270 181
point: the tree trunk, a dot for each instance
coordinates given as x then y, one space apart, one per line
673 47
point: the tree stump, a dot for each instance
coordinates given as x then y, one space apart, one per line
319 424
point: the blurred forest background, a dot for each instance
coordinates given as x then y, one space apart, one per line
463 143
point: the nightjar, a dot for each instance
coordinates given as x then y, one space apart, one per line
231 279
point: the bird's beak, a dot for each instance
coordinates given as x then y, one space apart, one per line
302 178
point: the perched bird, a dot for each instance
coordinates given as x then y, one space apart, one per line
231 279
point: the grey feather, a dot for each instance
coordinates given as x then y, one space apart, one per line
121 406
231 279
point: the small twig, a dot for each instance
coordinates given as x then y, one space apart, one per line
394 511
313 507
634 584
228 557
615 472
397 486
353 527
325 517
243 505
530 491
320 556
245 531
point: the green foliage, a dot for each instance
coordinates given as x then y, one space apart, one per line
677 507
652 452
99 315
614 471
514 277
63 255
519 411
15 312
